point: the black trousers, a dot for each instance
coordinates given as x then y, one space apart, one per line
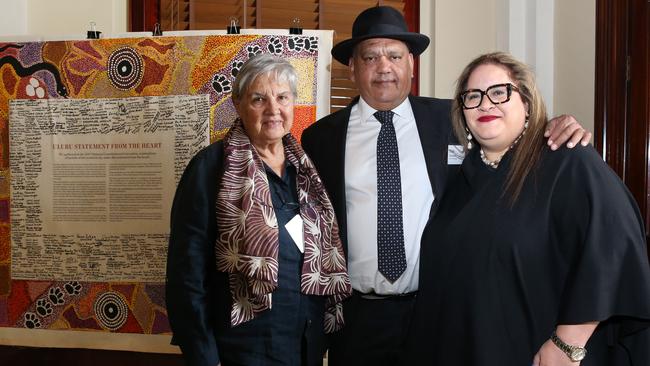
374 333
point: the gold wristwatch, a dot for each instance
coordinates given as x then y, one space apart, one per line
575 353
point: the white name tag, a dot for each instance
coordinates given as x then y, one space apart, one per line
455 154
294 227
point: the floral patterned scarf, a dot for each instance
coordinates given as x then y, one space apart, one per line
247 245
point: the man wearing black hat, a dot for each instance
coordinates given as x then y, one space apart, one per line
383 160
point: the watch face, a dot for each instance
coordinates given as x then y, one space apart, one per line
578 354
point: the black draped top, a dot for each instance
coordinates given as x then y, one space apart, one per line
496 280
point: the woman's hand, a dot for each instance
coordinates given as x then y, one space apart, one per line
551 355
576 335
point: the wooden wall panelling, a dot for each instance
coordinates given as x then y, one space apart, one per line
638 122
611 93
622 95
143 15
210 14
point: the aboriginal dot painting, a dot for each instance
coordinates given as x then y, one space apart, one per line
124 68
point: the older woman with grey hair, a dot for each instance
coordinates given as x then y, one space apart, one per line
255 270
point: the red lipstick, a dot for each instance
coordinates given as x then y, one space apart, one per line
487 118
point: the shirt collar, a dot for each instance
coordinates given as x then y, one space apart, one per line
288 171
403 110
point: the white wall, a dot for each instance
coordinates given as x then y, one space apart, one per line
557 38
575 59
13 17
463 29
62 18
427 26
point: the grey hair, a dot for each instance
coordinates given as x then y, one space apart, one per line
264 64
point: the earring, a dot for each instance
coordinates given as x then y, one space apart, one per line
526 123
469 139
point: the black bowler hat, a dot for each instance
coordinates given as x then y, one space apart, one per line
379 22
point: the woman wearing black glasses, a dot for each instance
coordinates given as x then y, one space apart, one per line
255 271
534 257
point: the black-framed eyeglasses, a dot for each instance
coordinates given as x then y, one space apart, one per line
497 94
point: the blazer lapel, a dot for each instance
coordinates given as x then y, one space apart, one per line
433 129
337 170
325 143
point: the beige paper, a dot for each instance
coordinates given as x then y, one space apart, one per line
92 184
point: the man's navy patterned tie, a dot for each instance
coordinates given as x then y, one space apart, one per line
390 229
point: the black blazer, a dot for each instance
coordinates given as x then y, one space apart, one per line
324 142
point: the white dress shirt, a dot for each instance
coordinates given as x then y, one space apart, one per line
361 197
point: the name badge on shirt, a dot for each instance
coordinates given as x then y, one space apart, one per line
455 154
294 227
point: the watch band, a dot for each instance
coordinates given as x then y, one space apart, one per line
575 353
